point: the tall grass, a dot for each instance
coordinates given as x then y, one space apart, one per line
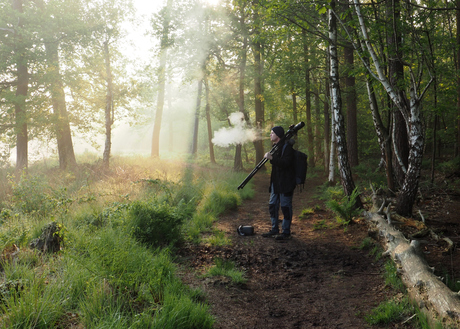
116 268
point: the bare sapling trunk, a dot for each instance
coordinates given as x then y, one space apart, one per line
108 108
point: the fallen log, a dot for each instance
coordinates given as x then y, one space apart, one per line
432 296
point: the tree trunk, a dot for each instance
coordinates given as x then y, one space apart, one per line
258 102
238 163
155 151
337 117
171 120
318 152
433 145
164 43
20 110
294 104
308 123
334 87
327 125
352 121
396 79
63 134
457 15
400 146
194 149
408 193
332 148
435 124
208 121
109 109
382 135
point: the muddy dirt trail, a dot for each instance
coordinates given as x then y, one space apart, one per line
318 279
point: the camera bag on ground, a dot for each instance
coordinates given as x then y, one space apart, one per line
245 230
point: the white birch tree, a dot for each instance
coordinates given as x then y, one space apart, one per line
411 112
338 124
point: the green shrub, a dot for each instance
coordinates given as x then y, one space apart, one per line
156 225
32 195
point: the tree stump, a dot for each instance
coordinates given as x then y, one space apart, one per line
50 239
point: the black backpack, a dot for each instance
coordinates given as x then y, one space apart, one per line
301 166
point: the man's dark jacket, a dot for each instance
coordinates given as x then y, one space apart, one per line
283 170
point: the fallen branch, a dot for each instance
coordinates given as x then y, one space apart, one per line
409 318
427 231
388 214
423 218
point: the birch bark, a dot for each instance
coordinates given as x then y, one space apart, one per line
337 117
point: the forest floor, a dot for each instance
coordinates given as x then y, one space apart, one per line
321 278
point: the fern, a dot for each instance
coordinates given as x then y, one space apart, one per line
345 209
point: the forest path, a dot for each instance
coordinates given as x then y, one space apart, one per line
318 279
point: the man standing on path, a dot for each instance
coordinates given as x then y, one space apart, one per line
282 185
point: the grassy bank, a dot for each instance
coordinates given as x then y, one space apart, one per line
119 230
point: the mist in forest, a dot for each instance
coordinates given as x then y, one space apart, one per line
238 133
132 134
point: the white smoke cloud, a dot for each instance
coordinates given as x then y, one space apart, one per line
238 134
